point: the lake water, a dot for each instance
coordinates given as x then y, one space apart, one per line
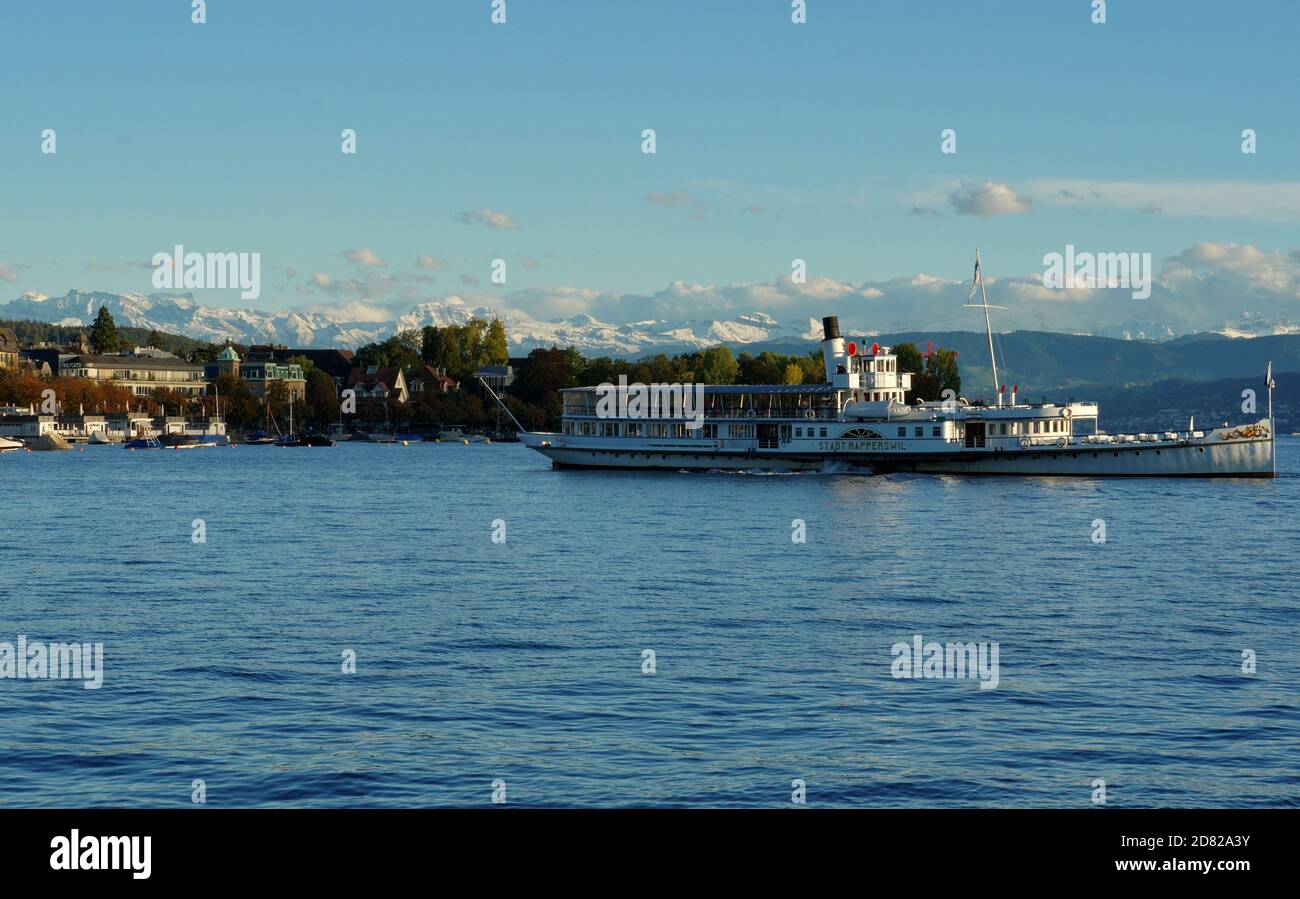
523 660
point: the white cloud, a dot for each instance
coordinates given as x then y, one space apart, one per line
354 311
1197 289
986 199
499 221
7 273
432 263
1240 267
364 256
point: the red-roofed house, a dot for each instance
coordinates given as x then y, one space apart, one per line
426 378
378 383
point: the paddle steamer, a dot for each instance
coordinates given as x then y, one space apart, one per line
860 421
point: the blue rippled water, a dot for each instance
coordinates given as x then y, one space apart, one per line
523 660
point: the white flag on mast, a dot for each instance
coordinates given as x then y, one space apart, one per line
1268 377
975 281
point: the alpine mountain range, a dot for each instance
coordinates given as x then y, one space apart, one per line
181 313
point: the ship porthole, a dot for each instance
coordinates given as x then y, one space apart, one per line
1200 449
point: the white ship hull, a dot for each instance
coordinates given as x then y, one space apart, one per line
1222 452
859 421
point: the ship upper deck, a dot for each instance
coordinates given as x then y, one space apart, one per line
723 389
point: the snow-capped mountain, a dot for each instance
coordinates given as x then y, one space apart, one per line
1137 330
180 313
1255 324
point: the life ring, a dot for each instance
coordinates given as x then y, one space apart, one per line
810 414
751 414
1024 441
1066 412
1061 441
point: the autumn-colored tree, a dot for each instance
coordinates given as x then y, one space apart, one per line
22 389
173 402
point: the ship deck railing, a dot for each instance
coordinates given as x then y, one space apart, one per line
793 416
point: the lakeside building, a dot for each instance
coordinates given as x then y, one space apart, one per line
140 372
123 426
8 348
259 369
379 382
338 364
428 379
19 422
46 359
80 425
498 377
226 364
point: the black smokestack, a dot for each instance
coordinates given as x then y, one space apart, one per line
830 327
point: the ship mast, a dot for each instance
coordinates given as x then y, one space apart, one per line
1272 425
988 326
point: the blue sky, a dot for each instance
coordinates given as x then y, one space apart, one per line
775 141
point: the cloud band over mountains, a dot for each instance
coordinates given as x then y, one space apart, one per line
1200 288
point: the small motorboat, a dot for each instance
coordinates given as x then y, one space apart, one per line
10 446
317 440
183 441
144 443
99 438
260 438
48 443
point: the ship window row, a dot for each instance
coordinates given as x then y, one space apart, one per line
650 429
729 405
812 432
875 396
1048 426
1051 426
